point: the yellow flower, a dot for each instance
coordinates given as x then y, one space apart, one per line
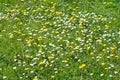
41 68
23 34
81 26
77 31
65 61
104 45
117 56
98 26
91 53
83 19
104 3
3 30
88 48
82 66
60 38
77 47
71 19
11 36
58 13
111 55
39 38
106 68
107 26
20 23
89 39
104 50
112 48
52 76
41 62
29 41
27 56
74 2
99 40
19 39
110 2
52 10
50 57
102 63
54 4
16 18
35 79
56 32
35 43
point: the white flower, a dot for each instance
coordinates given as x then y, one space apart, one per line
4 77
14 67
101 74
110 75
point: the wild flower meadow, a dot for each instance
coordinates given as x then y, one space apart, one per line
59 40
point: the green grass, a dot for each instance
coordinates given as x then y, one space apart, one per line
59 40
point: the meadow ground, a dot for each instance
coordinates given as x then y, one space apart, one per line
59 40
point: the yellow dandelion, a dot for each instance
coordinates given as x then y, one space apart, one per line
35 79
56 32
46 23
111 55
22 0
11 36
60 38
35 43
88 48
71 19
29 41
3 30
52 10
27 56
77 31
98 26
99 40
106 68
39 38
41 68
89 39
52 76
69 46
58 13
114 19
19 39
104 3
77 47
41 62
107 26
103 63
104 45
117 56
54 4
20 23
81 26
91 53
104 50
112 48
110 2
16 18
50 57
65 61
82 66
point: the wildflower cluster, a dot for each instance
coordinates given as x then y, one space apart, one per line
45 42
